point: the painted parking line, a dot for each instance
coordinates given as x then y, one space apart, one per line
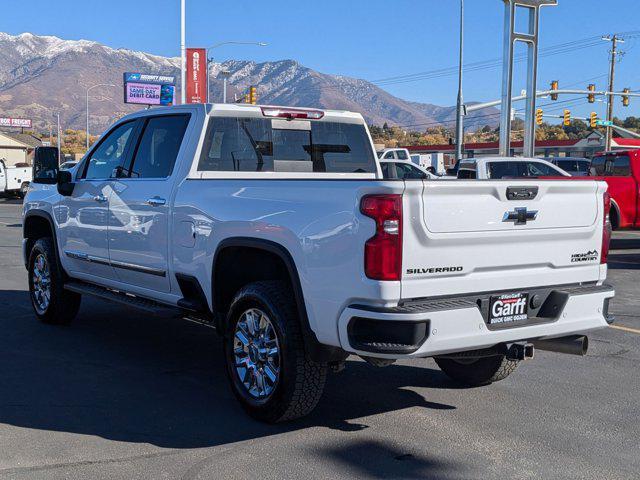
626 329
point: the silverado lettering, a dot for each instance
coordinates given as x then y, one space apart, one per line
417 271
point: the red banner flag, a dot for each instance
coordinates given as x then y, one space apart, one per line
196 75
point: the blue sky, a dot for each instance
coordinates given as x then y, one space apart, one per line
372 39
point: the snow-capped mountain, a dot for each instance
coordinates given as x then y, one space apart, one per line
41 75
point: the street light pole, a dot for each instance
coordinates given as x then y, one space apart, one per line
88 89
460 104
183 54
210 60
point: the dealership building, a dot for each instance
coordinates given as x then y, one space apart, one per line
17 148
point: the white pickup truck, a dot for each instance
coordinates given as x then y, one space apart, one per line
14 180
274 225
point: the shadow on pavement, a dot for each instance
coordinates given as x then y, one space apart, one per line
623 261
373 459
118 375
625 243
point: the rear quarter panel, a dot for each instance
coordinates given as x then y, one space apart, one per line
317 221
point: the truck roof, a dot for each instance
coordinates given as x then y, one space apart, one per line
259 111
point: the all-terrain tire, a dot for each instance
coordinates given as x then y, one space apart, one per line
300 381
58 306
478 372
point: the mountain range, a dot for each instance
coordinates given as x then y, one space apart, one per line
44 75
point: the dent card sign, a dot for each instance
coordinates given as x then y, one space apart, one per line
196 75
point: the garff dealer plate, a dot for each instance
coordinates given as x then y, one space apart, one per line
508 308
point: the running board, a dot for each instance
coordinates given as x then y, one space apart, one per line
141 303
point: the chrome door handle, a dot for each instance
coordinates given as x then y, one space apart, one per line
156 201
100 198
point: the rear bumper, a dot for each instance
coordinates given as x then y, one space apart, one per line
448 325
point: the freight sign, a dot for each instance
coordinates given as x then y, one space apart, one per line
15 122
196 75
148 89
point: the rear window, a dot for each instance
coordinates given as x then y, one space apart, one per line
261 145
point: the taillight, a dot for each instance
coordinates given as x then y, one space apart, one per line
606 229
383 251
292 113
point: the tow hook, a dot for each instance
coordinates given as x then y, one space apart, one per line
520 351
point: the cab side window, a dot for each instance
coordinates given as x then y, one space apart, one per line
620 167
402 155
159 145
111 153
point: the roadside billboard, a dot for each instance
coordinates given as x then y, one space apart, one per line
149 89
15 122
197 75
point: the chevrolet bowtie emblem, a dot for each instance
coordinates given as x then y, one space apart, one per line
520 216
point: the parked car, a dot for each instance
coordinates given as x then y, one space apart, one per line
68 165
274 225
14 180
398 169
574 166
394 154
507 167
621 171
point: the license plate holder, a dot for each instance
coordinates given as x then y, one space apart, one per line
508 309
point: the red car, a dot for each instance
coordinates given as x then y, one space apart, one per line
621 170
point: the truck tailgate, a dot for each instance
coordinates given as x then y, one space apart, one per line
478 236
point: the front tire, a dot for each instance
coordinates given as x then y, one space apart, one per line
51 302
269 370
477 372
24 189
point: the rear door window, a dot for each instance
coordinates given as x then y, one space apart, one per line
159 145
537 169
260 145
402 155
499 170
621 166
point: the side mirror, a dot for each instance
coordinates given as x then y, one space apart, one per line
65 183
45 165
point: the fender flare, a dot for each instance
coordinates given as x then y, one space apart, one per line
317 351
47 217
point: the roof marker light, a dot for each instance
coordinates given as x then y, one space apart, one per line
292 113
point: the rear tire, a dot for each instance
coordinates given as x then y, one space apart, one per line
477 372
269 370
51 302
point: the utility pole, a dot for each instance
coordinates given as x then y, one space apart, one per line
460 104
58 135
612 72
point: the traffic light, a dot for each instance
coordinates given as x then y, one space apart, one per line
253 95
539 114
593 120
591 97
566 118
247 98
554 86
625 98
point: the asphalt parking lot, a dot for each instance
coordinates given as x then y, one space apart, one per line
117 395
